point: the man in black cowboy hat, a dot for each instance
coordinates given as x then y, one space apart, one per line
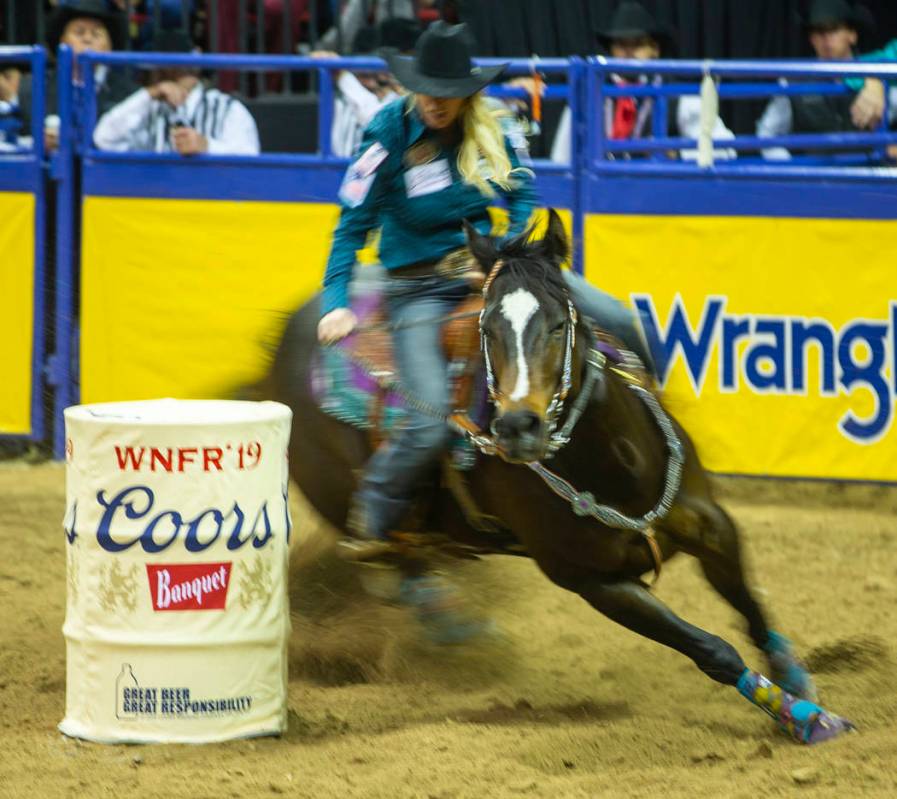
634 33
835 29
87 25
81 25
176 112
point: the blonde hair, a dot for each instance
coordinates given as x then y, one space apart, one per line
483 145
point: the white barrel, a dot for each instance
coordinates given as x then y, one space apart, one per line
177 533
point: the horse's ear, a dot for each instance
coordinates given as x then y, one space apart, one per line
481 247
555 245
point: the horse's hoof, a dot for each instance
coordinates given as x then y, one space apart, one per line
826 727
808 723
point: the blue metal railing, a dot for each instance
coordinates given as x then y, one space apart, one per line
36 59
324 67
28 162
601 149
596 147
65 323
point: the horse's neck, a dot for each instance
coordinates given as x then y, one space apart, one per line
616 450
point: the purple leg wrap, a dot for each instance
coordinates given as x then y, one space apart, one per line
803 720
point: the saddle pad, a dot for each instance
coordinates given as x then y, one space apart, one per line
344 378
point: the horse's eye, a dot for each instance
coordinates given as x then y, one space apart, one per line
558 330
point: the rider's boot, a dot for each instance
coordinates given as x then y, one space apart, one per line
366 541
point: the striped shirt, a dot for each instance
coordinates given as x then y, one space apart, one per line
142 124
353 109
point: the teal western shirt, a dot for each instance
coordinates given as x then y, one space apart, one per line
887 53
419 200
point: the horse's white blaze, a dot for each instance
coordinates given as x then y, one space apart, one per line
518 308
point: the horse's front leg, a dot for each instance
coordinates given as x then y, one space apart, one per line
700 526
630 604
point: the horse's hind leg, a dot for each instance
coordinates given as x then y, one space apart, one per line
630 604
712 537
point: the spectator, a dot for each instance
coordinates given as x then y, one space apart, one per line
834 28
177 112
634 33
82 25
362 95
356 14
10 114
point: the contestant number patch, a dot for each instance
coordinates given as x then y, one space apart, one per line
361 174
428 178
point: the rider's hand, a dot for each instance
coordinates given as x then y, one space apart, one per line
336 325
869 106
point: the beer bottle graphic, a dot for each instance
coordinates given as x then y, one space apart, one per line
124 681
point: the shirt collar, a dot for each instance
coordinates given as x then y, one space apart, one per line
192 102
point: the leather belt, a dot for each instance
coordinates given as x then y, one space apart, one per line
454 265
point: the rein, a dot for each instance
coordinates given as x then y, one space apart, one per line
582 502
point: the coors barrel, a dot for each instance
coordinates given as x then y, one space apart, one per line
177 532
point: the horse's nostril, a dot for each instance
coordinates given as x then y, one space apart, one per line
530 423
518 423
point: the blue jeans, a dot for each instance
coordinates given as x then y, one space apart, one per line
395 470
610 315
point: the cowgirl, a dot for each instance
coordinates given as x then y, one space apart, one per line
426 163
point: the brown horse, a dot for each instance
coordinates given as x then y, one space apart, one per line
595 481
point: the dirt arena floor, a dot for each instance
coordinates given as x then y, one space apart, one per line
560 703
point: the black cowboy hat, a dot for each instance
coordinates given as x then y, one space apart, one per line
832 13
442 66
632 20
114 21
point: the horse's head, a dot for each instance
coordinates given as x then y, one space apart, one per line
528 332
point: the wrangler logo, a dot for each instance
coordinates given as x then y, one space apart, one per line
771 354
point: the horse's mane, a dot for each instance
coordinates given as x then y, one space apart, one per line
529 262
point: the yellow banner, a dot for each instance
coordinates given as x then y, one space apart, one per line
17 318
183 298
778 335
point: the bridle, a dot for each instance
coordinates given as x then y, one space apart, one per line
583 503
594 368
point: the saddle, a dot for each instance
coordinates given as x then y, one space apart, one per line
357 381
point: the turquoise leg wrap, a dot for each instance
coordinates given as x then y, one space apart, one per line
803 720
439 608
787 669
